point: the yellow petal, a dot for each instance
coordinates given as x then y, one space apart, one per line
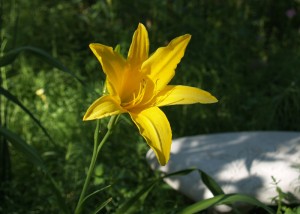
155 128
103 107
139 47
113 65
179 94
137 54
162 64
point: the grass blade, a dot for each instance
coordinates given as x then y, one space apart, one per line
15 100
210 183
218 199
94 193
13 54
59 196
7 59
124 208
224 199
28 151
143 192
202 205
32 155
5 161
180 172
98 209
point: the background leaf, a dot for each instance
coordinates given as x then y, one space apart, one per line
29 152
128 205
101 206
210 183
224 199
9 58
15 100
33 156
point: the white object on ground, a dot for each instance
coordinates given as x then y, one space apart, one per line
241 162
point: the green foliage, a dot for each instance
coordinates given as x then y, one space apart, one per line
295 210
224 199
129 206
244 52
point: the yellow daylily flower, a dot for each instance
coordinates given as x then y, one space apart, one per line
138 85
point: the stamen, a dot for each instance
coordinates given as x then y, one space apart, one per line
138 96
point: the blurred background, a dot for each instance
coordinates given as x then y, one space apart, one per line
246 53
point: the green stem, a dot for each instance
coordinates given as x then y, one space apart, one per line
96 150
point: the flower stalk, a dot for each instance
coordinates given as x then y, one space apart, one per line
96 151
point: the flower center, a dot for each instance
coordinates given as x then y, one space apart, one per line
136 96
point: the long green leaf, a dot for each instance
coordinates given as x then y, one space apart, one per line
7 59
59 196
5 162
94 193
224 199
15 100
28 151
143 192
220 197
180 172
210 183
128 204
13 54
101 206
33 156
